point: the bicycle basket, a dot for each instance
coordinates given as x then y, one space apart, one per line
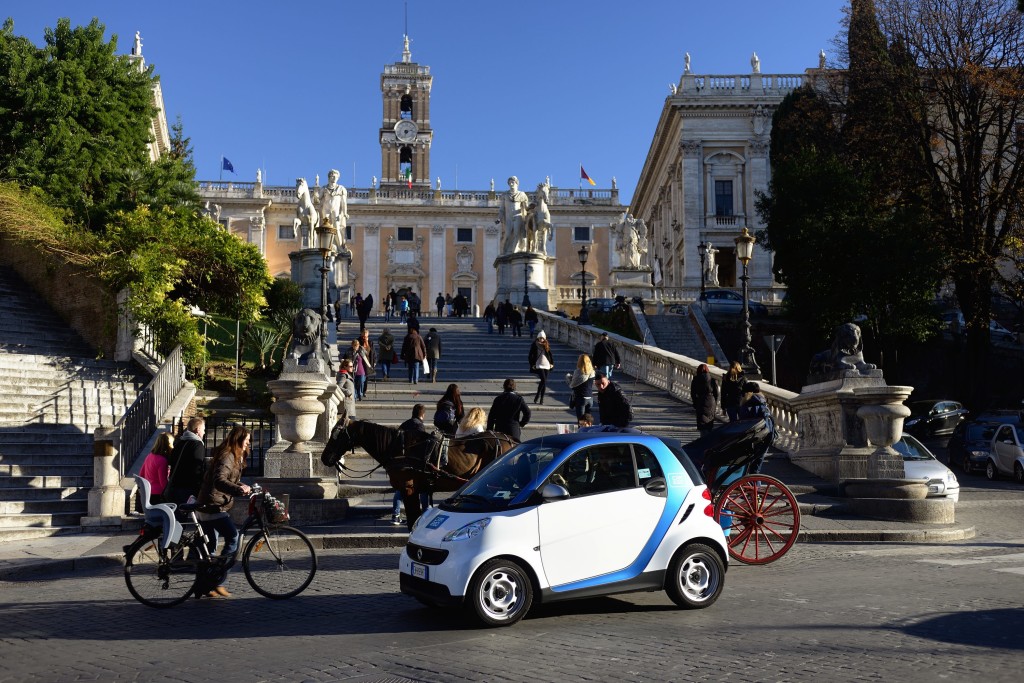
274 510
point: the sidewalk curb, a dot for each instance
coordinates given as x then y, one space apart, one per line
886 535
45 567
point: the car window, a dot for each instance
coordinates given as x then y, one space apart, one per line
980 432
599 469
1004 433
1020 434
911 449
501 481
647 465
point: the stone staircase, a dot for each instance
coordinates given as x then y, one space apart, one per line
55 394
675 333
479 363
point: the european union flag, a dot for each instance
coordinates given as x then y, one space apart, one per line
226 165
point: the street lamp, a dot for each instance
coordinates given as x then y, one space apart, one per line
325 234
527 269
745 252
584 254
702 249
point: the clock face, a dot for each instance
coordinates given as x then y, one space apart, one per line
405 131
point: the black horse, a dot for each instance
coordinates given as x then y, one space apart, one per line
411 458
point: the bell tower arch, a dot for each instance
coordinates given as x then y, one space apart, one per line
405 133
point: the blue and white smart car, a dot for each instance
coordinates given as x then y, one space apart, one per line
570 516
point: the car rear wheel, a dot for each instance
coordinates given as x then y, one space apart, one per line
500 593
1018 473
990 471
965 464
695 577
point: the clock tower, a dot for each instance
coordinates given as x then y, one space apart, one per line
405 134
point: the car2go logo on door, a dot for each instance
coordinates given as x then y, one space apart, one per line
570 516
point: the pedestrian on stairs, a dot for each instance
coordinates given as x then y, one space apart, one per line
489 315
515 319
541 363
386 352
732 391
581 382
347 386
187 463
413 353
605 356
433 343
509 412
612 403
704 394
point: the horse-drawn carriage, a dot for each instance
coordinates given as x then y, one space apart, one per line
761 515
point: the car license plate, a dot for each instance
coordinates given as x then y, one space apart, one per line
419 571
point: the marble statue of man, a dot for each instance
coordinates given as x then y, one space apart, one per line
512 217
755 63
686 62
643 243
334 206
710 266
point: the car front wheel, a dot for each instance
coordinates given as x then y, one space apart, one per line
966 464
990 471
695 577
500 593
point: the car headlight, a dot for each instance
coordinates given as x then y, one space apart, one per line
979 454
911 423
950 477
471 530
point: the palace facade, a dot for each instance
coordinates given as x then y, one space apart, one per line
404 234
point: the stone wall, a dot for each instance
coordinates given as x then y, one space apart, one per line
79 299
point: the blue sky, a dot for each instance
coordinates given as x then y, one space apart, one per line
530 88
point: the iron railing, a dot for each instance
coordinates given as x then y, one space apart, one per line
142 417
261 429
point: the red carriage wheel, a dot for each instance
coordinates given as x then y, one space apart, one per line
765 518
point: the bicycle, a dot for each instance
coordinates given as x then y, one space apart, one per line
167 563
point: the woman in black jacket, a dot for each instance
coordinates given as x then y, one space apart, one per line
704 394
541 363
732 390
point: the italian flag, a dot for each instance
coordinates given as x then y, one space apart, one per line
408 176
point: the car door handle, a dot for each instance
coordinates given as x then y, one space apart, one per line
656 487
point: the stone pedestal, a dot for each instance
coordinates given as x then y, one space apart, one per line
513 276
297 405
306 266
883 412
631 282
106 497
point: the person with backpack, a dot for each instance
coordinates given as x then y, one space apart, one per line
509 412
704 394
449 411
386 352
755 407
612 403
188 463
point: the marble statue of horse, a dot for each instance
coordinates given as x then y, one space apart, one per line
411 458
305 212
538 221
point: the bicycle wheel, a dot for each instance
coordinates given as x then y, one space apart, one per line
159 578
279 563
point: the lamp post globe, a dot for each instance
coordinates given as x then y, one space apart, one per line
745 252
583 254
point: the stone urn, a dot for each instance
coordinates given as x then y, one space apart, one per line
883 412
298 407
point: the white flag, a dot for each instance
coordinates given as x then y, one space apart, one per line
657 271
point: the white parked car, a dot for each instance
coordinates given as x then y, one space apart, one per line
570 516
920 463
1006 457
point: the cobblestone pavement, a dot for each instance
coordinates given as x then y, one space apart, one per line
823 612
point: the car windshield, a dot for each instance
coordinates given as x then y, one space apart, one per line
496 485
980 432
912 449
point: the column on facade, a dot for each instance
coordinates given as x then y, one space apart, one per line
258 233
438 265
693 208
490 280
761 264
372 264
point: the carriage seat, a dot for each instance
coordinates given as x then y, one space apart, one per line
161 514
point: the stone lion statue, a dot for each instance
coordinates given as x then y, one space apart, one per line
847 353
306 342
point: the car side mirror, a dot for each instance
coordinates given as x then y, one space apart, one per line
554 492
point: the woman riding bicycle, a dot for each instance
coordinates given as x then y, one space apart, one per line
221 483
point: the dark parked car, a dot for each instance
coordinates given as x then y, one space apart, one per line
934 418
727 302
970 445
599 304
